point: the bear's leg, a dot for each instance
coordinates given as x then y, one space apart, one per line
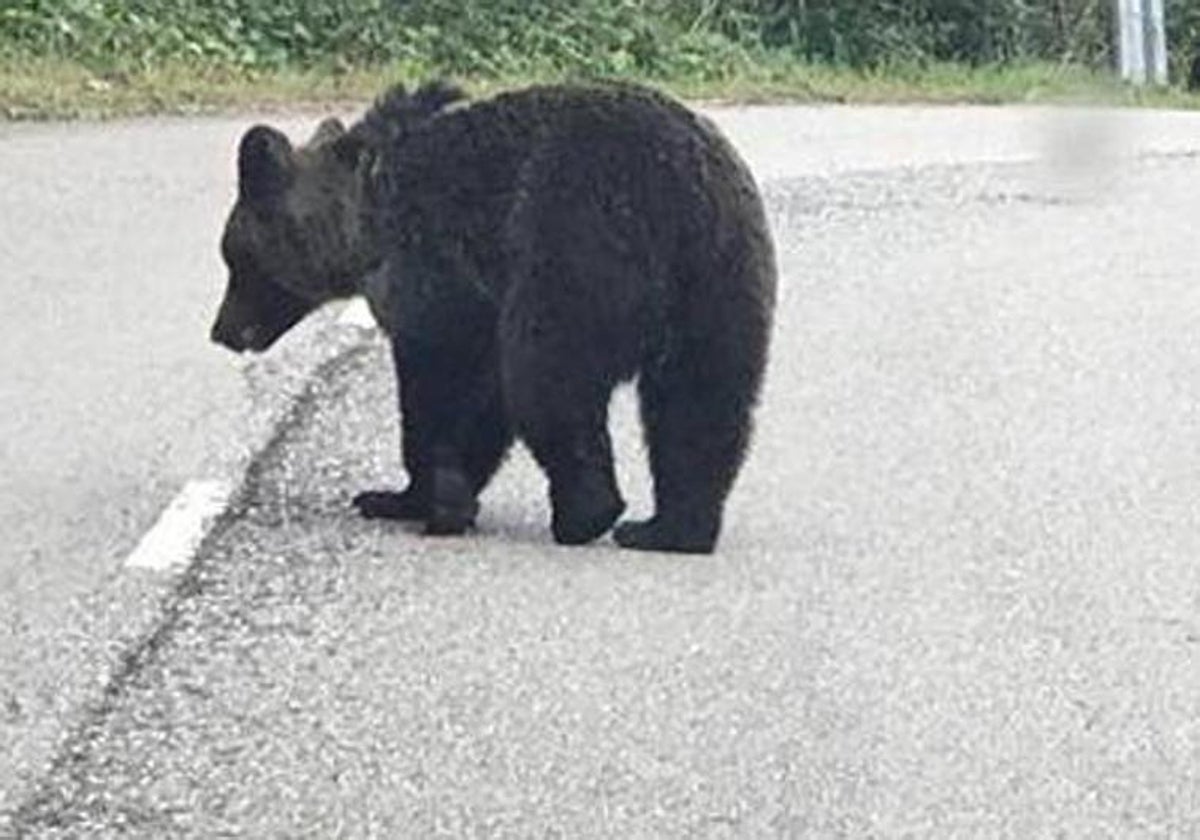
416 442
470 448
563 417
583 485
487 442
454 436
696 434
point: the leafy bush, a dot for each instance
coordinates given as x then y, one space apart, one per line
874 32
247 32
703 38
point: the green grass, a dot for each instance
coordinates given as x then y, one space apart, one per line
55 89
103 58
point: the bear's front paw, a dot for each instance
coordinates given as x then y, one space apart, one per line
654 535
387 504
445 521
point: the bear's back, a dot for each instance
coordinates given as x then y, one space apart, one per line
475 193
476 152
456 179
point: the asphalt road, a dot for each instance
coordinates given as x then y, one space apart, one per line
111 396
957 594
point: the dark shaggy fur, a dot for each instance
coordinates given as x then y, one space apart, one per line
526 254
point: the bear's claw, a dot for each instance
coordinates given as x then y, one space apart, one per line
388 504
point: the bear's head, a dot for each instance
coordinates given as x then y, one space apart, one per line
298 235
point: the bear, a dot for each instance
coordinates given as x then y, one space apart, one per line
525 254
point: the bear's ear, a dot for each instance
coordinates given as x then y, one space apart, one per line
265 164
433 96
329 130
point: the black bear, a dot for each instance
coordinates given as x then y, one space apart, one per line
525 254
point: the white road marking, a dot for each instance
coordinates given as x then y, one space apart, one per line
357 314
180 529
182 526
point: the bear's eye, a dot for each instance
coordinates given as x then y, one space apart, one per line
243 241
235 258
239 253
245 268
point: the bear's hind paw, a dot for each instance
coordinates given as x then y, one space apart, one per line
653 535
581 526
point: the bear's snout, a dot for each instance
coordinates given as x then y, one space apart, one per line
237 340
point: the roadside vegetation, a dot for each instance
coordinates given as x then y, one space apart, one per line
97 57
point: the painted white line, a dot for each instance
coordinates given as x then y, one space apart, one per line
357 314
173 540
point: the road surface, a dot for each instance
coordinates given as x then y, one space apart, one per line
958 591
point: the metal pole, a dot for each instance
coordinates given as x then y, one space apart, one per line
1137 42
1123 45
1131 41
1156 42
